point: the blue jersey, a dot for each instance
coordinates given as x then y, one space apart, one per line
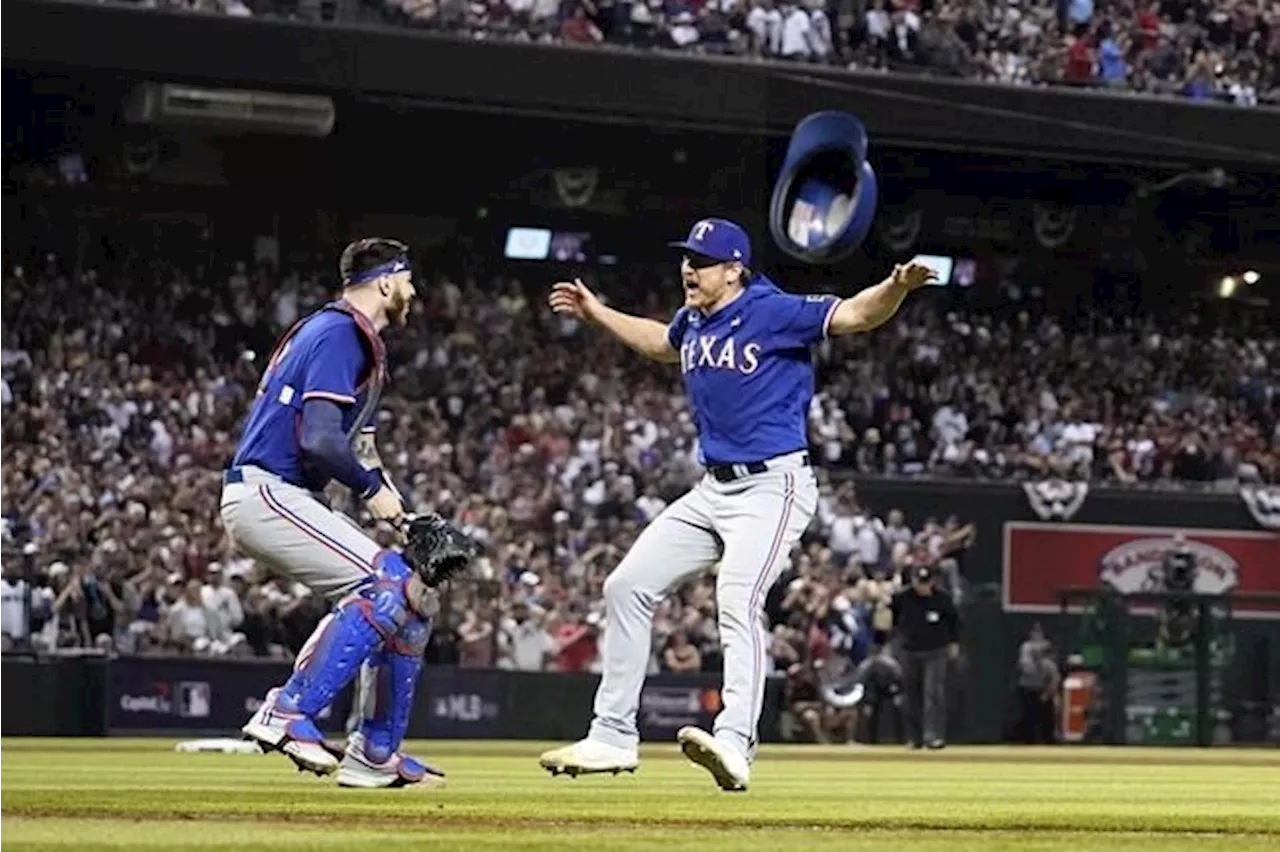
334 354
748 372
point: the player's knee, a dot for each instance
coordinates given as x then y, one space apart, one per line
619 589
383 600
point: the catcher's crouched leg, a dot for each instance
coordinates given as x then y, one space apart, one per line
388 684
361 622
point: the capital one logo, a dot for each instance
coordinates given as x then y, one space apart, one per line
701 230
157 699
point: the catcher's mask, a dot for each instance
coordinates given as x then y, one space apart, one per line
825 196
399 261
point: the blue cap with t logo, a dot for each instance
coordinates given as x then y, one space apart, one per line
718 239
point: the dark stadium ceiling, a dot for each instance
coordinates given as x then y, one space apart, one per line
394 155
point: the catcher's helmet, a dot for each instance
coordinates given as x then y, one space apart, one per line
825 198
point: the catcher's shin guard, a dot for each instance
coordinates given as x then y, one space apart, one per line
360 623
389 682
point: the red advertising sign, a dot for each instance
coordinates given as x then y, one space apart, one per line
1040 559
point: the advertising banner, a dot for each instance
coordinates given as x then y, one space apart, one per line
459 704
147 693
1042 558
668 704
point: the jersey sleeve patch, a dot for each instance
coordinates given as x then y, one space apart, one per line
802 320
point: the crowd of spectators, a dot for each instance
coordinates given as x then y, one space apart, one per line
123 389
1223 50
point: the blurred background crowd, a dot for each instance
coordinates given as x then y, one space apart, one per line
1214 50
122 390
123 387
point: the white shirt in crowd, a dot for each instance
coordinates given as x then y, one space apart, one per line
225 606
878 30
869 542
828 426
907 24
191 622
951 424
795 33
684 30
821 44
1077 441
525 645
843 537
766 24
545 9
13 612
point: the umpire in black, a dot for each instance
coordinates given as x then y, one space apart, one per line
928 628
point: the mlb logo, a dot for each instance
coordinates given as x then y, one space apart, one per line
194 699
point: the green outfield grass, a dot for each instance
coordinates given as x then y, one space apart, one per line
140 794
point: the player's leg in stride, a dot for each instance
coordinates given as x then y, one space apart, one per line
676 546
761 517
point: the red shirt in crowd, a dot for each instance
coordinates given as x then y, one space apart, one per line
577 643
580 30
1079 64
1149 24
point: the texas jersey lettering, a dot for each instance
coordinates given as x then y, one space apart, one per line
748 371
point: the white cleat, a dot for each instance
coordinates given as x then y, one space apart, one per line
588 757
726 765
292 734
401 770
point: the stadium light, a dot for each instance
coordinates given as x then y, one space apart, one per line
1227 287
1251 276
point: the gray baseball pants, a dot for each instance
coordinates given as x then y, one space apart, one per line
749 527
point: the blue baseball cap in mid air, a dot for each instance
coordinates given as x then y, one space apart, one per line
718 239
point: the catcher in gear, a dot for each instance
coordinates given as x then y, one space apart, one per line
311 423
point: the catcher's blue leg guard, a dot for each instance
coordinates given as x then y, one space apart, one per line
361 622
388 685
395 669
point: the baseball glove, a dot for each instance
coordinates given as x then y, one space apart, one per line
436 549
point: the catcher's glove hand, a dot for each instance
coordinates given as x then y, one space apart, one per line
436 549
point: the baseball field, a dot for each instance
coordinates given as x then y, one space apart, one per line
141 795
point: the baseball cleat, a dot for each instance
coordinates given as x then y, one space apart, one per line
400 770
589 757
291 734
730 769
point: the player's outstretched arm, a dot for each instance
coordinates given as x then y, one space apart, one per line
646 336
875 305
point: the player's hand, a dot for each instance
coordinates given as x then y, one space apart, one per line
913 275
576 299
385 504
